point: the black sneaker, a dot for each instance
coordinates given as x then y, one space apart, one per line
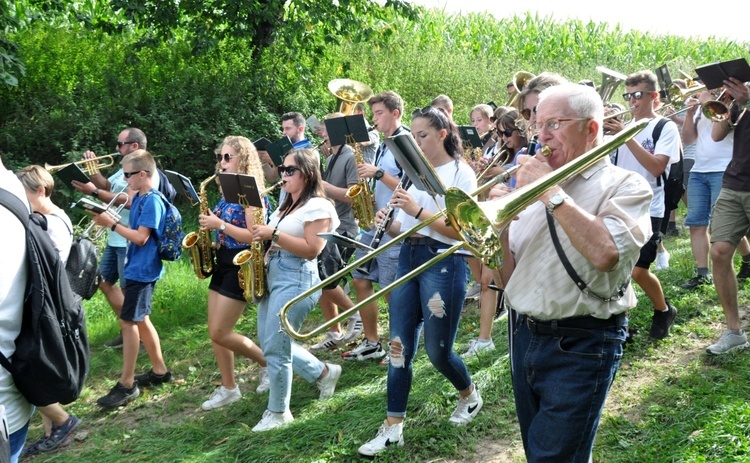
744 272
698 280
114 343
662 322
119 395
152 379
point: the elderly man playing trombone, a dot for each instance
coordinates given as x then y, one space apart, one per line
567 263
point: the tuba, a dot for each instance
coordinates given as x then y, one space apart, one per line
252 273
519 80
199 244
349 92
610 81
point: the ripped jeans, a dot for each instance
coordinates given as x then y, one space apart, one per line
433 300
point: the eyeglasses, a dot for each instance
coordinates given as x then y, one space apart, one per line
226 156
553 124
120 144
130 174
637 95
526 112
288 171
506 132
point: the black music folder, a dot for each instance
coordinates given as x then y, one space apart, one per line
346 130
240 189
182 185
470 136
713 75
664 79
415 164
262 143
90 205
278 149
72 172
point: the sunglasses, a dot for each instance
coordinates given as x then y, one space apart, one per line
287 171
130 174
120 144
553 124
506 132
637 95
526 112
226 156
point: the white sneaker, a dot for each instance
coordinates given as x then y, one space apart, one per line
467 408
273 420
222 397
353 329
477 346
473 292
332 341
387 436
327 384
264 383
728 342
365 350
662 260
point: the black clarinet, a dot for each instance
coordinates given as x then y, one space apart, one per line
531 151
383 226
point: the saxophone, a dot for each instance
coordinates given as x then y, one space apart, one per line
362 201
200 244
252 273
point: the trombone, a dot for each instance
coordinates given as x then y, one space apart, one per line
478 225
90 166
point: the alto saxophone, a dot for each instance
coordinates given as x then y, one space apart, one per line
362 201
252 273
200 244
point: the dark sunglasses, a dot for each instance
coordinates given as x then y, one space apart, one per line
506 132
423 111
120 144
637 95
526 112
287 171
130 174
226 156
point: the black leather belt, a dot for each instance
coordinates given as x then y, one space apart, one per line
423 241
578 327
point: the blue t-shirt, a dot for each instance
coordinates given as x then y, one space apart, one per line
143 263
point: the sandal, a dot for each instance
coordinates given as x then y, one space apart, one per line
60 434
33 449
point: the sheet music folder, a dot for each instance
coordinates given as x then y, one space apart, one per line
470 136
278 149
182 185
339 128
240 189
415 164
72 172
713 75
345 241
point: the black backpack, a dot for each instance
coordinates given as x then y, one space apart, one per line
51 360
673 186
82 267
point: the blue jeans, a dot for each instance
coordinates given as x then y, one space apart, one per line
434 299
703 190
288 276
112 264
17 439
559 385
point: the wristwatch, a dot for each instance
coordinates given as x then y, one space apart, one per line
379 174
275 236
95 193
556 200
223 226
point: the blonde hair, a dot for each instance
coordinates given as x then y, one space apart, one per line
140 160
249 162
32 177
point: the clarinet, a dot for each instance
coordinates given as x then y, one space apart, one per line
405 183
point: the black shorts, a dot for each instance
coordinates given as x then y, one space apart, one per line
648 251
225 279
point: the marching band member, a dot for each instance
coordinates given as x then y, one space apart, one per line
434 299
226 300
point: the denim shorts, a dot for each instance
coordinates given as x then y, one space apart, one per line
112 264
383 267
137 304
702 193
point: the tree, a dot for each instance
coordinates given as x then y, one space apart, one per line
11 66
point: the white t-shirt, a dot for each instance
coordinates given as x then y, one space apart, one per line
667 145
314 209
710 155
13 274
453 174
60 230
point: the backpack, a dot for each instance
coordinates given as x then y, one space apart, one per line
51 360
82 267
170 241
673 186
165 187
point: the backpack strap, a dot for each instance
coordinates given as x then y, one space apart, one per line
15 205
65 223
655 135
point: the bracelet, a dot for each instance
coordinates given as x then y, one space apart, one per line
95 193
416 216
114 225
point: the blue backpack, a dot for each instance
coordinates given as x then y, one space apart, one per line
170 241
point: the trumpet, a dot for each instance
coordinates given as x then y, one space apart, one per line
479 227
624 116
90 166
114 213
495 160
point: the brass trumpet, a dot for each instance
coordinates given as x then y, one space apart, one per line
90 166
479 226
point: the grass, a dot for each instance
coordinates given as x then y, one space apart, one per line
670 402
